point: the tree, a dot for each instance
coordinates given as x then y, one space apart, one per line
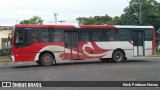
96 20
139 12
115 21
142 12
34 20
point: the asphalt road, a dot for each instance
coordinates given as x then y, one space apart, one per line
134 69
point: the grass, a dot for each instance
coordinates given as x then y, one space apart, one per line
5 59
157 53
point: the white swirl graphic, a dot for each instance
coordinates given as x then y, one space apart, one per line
91 55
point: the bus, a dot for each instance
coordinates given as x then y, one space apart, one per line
45 44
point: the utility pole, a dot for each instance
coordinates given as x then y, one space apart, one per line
139 16
16 21
55 17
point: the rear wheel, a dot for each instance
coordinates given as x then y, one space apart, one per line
118 56
47 60
125 58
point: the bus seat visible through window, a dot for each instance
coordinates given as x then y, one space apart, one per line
34 40
45 39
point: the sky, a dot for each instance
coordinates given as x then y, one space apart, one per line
13 11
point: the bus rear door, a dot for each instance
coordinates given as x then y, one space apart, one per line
138 42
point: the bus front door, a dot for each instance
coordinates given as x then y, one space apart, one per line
138 43
71 44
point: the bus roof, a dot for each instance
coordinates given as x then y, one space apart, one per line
44 26
81 26
129 26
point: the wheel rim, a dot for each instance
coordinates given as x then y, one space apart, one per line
118 56
47 60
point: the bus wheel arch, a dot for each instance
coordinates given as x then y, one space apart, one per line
118 55
46 58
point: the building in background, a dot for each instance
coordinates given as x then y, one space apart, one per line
5 35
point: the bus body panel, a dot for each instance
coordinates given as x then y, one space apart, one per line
32 52
87 50
111 46
153 41
83 50
148 48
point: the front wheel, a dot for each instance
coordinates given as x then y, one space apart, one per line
39 63
118 56
47 60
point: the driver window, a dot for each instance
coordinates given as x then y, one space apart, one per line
21 37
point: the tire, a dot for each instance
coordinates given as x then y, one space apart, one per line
118 56
125 58
39 63
47 60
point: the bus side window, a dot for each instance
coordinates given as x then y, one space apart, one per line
125 34
111 35
57 36
34 37
44 36
106 36
148 35
116 34
97 35
84 35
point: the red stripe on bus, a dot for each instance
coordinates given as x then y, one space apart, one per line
97 26
44 26
153 41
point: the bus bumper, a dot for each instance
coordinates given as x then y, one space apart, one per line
12 58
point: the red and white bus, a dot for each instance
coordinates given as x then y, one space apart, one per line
45 44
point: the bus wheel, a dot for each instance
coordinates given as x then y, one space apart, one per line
47 60
118 56
38 62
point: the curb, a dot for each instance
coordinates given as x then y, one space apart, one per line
5 63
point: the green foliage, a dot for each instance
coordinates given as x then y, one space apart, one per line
115 21
150 12
139 12
157 53
5 59
146 11
34 20
96 20
157 37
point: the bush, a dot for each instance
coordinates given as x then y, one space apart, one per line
5 52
